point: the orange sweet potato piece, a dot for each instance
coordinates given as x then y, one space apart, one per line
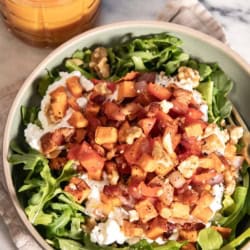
156 228
190 235
78 188
132 229
113 111
126 89
78 120
105 135
74 86
58 104
158 91
146 210
147 124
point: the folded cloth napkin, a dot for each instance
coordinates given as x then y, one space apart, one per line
186 12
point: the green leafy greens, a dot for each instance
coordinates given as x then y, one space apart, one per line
55 213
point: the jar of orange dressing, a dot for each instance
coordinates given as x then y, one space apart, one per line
48 22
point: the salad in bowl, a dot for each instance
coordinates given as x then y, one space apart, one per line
131 147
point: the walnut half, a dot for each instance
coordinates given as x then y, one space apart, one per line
99 62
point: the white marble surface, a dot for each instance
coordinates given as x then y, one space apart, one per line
234 15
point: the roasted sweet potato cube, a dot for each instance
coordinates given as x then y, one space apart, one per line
224 231
147 124
105 135
78 120
146 210
132 229
78 188
180 210
194 130
74 86
212 161
206 199
113 111
92 108
163 210
113 201
158 91
156 228
126 89
202 213
58 104
138 173
189 235
147 163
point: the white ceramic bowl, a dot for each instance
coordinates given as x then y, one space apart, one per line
196 44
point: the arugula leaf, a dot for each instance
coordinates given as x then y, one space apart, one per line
49 189
209 239
30 115
72 66
237 241
239 197
66 244
44 83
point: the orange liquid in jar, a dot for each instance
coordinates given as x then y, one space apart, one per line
48 22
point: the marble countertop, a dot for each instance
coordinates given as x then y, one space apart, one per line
234 15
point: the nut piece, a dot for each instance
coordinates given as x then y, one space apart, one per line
132 134
78 188
189 75
99 63
106 135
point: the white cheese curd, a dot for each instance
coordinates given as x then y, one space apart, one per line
93 202
163 80
197 97
82 102
218 191
32 135
166 106
184 84
110 231
204 110
133 215
87 84
107 233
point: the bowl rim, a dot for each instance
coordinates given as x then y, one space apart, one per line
170 27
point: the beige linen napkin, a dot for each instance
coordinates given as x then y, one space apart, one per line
186 12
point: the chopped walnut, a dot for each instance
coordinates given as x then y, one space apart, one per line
189 74
133 133
98 63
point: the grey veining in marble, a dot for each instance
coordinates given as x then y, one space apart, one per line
235 18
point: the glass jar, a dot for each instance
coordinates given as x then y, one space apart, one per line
48 22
